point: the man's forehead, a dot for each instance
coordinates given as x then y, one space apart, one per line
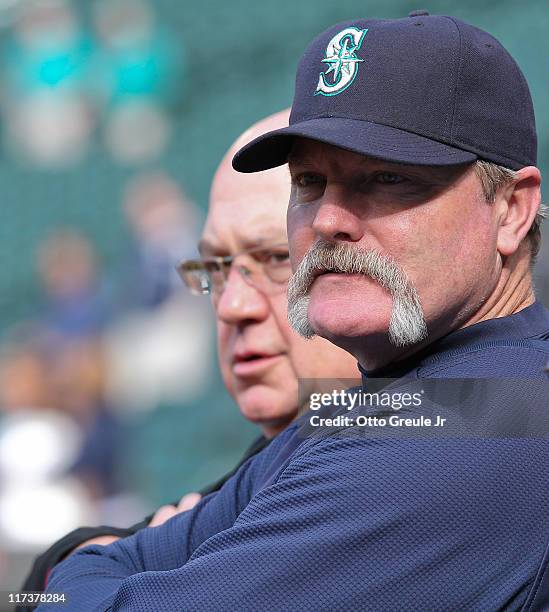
228 240
237 224
247 210
212 244
307 152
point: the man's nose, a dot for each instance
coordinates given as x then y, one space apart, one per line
335 219
239 301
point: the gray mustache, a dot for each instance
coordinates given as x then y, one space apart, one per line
344 259
407 325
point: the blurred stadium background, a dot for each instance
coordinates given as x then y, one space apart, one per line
113 117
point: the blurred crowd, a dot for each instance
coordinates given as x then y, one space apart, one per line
66 81
105 343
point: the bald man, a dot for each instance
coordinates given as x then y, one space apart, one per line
261 358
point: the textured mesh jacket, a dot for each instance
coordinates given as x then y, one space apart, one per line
338 522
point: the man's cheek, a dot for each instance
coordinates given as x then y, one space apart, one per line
300 234
224 345
279 309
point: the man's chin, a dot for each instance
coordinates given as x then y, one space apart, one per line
353 341
350 320
267 404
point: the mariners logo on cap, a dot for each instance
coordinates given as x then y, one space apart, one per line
343 62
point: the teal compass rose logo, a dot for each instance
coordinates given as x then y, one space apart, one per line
342 61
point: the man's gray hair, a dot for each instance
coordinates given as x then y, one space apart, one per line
492 177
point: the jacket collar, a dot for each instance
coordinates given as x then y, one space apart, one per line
531 322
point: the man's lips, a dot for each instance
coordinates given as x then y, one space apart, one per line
248 363
318 273
329 281
338 273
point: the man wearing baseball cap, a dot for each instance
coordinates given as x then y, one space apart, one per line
413 224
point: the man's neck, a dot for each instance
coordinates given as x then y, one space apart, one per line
513 292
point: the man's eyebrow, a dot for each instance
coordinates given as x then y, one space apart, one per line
299 159
435 176
261 241
438 175
207 249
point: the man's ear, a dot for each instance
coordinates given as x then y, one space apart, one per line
518 204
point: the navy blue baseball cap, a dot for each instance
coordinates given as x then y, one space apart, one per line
426 90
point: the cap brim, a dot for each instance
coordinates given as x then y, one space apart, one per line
363 137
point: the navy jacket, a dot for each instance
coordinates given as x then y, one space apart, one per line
359 522
42 566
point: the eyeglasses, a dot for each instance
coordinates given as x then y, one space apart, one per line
268 271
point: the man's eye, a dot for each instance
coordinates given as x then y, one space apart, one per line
307 179
273 258
278 258
213 266
389 178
